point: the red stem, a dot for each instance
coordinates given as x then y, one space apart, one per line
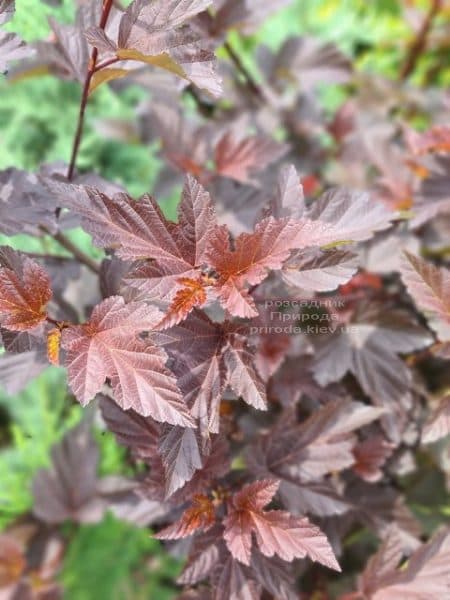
106 63
52 321
107 5
419 44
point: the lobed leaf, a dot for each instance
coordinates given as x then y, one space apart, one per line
24 294
276 531
430 287
109 346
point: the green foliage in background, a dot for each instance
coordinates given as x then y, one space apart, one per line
31 136
37 418
30 424
116 561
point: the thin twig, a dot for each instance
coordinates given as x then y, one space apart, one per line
42 256
106 63
248 77
204 108
52 321
420 42
81 256
107 5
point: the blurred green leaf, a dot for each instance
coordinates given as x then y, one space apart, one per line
116 561
40 415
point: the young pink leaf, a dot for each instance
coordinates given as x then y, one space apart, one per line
199 516
253 256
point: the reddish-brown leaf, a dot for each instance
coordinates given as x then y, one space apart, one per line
195 347
438 426
12 48
158 34
430 287
139 434
232 580
424 576
243 378
185 145
436 139
350 216
165 251
199 516
322 444
290 199
24 295
136 229
244 15
17 370
309 61
253 256
276 531
109 346
191 295
370 455
239 159
319 271
12 560
204 554
197 221
181 456
368 349
68 490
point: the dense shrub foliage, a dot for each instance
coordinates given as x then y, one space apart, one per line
265 368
